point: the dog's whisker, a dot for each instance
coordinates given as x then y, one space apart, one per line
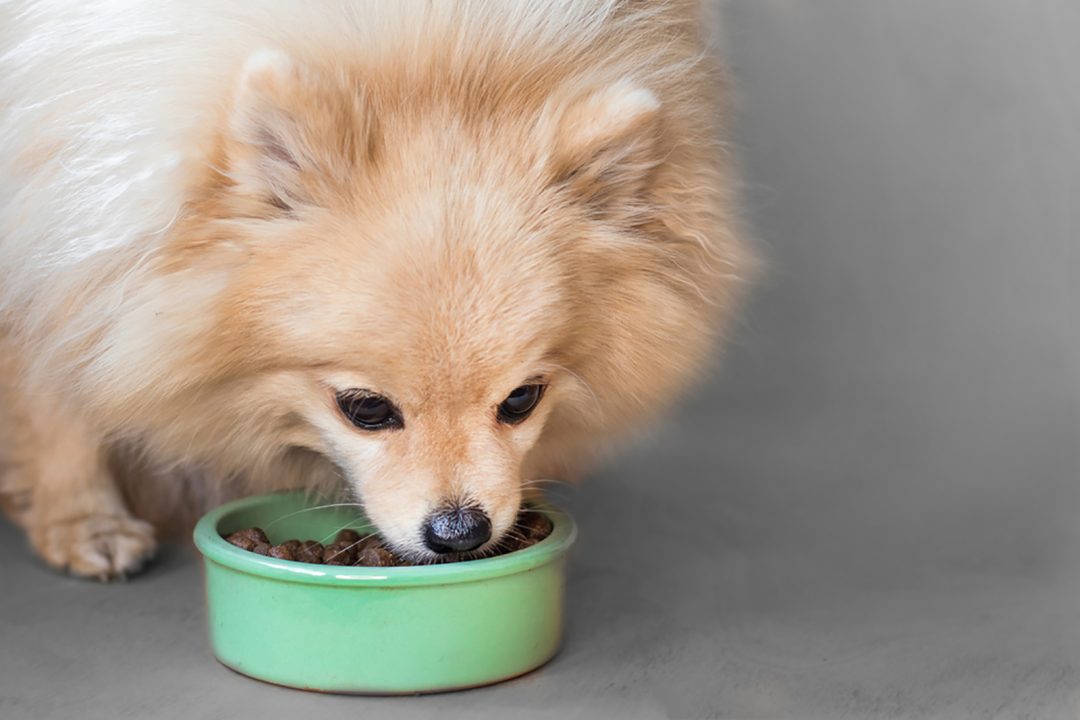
549 482
369 535
335 532
350 547
310 509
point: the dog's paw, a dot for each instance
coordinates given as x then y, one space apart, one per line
103 547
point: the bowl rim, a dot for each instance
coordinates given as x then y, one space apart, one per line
215 548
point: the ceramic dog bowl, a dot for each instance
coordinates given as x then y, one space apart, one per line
376 630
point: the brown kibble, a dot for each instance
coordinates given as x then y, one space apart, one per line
241 541
293 545
257 534
369 541
376 556
347 536
339 553
283 552
350 548
533 526
248 537
310 552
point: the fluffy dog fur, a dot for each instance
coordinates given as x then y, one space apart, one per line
215 214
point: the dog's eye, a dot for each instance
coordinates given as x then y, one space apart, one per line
520 403
368 411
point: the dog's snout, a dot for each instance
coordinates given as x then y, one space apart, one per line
457 529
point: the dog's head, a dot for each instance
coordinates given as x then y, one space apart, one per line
450 291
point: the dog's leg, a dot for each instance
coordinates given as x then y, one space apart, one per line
17 441
57 485
77 519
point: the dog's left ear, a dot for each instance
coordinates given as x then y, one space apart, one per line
605 144
295 133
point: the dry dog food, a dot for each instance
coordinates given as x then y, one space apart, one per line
350 548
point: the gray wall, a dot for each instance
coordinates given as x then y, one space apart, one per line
906 380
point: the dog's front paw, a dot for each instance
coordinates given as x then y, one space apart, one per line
103 547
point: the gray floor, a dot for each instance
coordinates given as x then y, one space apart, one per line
701 618
869 514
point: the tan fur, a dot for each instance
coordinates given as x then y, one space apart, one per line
439 228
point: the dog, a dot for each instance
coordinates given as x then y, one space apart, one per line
423 253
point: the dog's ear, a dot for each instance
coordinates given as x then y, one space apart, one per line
605 145
295 134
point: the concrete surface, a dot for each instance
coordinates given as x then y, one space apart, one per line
868 515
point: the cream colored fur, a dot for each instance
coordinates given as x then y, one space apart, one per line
215 214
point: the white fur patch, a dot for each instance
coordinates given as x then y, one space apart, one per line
267 61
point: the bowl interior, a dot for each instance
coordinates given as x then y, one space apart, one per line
294 515
288 517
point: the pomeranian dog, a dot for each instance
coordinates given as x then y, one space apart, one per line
423 253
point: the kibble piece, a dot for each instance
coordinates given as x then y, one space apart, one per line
262 548
310 552
293 545
376 556
241 541
257 534
248 537
369 541
282 552
534 526
347 536
339 554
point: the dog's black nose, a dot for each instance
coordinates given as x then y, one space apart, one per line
457 529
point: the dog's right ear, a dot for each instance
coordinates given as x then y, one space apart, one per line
295 132
604 144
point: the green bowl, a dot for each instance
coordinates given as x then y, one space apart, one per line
376 630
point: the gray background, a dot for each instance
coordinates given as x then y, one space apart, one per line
869 513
